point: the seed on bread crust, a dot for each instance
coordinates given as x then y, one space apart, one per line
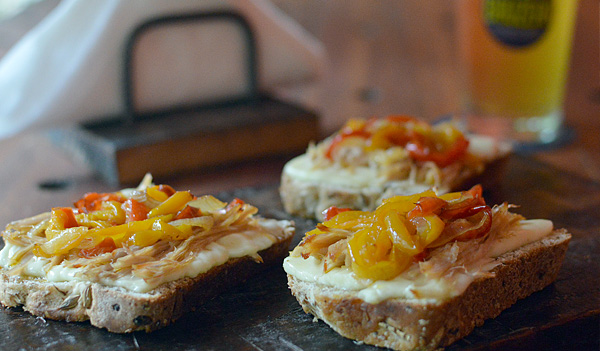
70 303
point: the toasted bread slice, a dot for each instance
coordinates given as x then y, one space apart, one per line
422 271
122 311
413 324
345 170
135 259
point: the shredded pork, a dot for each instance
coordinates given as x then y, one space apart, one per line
150 263
394 163
469 257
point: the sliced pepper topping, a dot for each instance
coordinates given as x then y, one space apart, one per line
93 201
333 211
173 204
403 229
442 144
345 134
135 210
105 246
104 222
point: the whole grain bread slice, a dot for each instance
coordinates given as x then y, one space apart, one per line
123 311
403 324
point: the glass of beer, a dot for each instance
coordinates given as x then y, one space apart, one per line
514 58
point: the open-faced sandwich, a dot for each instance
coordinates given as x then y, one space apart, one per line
136 259
422 271
370 160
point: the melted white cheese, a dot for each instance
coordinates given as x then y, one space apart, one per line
302 168
526 232
411 284
231 246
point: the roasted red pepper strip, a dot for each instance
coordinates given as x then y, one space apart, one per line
92 201
464 207
187 212
167 189
233 203
484 225
67 217
427 205
236 201
333 211
106 245
476 191
465 218
135 210
419 151
463 229
345 133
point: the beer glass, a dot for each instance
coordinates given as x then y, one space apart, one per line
514 57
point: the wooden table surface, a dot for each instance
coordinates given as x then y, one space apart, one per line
36 175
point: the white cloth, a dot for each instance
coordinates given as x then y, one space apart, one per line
68 69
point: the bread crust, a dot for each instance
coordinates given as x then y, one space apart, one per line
309 199
403 324
123 311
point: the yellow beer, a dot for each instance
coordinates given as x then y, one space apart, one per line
515 54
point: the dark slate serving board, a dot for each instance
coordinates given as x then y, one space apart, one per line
262 315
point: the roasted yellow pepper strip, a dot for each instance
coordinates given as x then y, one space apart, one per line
129 228
400 235
374 257
111 211
172 205
61 244
451 196
60 219
410 200
434 227
348 219
386 241
160 230
145 237
156 194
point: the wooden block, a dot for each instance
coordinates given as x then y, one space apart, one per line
174 143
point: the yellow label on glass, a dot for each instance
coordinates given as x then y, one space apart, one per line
517 23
